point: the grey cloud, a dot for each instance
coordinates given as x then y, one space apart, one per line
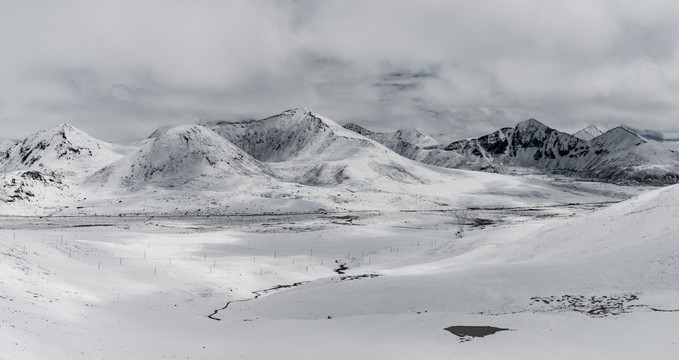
120 69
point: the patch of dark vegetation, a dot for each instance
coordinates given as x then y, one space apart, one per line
344 220
33 175
358 277
478 222
595 306
466 333
342 267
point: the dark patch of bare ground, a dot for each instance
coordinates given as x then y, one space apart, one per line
466 333
358 277
595 306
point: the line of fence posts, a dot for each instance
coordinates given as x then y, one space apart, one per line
214 262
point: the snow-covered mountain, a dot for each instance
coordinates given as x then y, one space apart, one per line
306 147
619 155
404 142
62 151
589 133
180 155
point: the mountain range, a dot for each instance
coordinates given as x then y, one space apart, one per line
618 155
300 159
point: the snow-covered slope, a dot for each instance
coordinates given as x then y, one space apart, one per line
589 133
404 142
38 192
61 151
619 155
308 148
160 131
184 154
5 144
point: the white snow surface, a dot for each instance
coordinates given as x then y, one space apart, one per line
5 144
577 283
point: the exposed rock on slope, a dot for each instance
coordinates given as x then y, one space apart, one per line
182 155
29 185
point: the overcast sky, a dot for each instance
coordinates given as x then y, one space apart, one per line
120 69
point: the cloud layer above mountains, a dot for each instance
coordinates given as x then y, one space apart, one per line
120 69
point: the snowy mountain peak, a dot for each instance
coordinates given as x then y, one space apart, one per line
415 137
405 142
181 155
531 124
61 149
321 151
618 138
589 133
305 115
296 133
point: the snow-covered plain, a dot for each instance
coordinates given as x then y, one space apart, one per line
568 281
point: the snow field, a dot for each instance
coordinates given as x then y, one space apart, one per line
144 288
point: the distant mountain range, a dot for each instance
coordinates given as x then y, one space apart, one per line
618 155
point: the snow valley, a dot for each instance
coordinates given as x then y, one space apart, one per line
293 237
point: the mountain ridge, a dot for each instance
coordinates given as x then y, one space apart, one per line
619 155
